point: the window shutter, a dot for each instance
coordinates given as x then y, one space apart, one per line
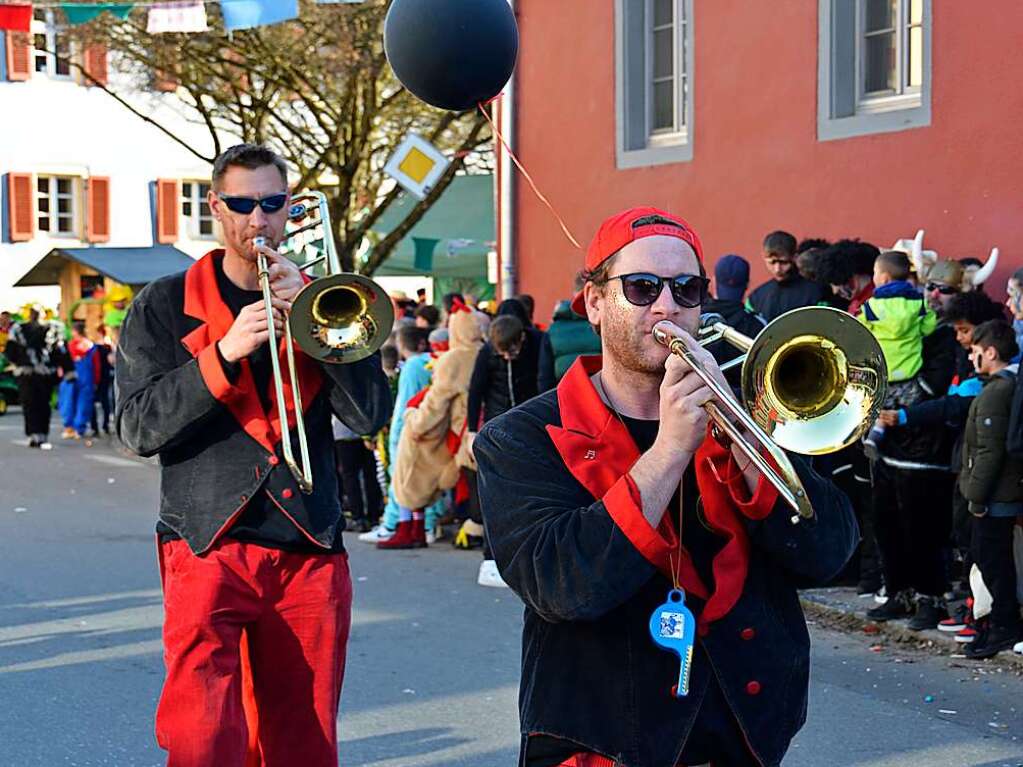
22 209
19 56
165 82
95 64
98 213
167 211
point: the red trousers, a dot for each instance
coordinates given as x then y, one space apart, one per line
293 612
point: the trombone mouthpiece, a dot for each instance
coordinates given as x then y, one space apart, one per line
260 242
665 331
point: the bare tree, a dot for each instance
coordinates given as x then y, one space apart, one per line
319 90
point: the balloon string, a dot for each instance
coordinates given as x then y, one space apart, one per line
529 178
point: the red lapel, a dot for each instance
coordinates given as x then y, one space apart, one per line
204 302
598 450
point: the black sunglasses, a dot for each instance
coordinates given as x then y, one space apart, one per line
642 288
945 290
245 205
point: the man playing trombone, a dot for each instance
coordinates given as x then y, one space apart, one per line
254 571
584 490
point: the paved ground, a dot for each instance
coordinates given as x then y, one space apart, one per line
433 660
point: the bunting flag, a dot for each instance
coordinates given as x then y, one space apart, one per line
245 14
79 13
422 260
184 16
15 18
339 2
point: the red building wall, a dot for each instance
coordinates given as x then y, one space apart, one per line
757 164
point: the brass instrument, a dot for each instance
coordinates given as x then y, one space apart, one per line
813 382
337 318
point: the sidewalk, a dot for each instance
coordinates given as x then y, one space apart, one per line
841 609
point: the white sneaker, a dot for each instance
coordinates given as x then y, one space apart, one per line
881 596
431 537
489 575
1018 647
378 533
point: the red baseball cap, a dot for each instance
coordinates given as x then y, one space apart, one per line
628 226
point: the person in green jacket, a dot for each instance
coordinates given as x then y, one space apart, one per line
568 337
899 317
991 480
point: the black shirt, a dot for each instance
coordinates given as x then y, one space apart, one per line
715 735
260 522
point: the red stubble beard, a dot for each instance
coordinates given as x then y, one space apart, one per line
626 336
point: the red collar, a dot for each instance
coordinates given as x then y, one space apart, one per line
861 297
598 451
204 303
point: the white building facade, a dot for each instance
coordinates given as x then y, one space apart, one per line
78 169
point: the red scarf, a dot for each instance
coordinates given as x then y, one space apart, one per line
204 302
599 452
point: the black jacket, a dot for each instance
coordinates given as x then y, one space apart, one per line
736 316
217 446
582 565
498 385
773 298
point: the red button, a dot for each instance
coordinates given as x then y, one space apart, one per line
286 492
703 629
747 634
274 460
753 688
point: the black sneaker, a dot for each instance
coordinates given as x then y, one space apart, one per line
930 611
897 606
991 642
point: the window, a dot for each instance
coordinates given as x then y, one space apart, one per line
653 79
56 206
196 210
874 66
52 48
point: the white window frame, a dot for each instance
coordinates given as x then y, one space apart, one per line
53 197
637 146
193 219
49 30
844 110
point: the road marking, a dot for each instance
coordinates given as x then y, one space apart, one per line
113 460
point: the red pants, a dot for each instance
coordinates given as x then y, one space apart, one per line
295 610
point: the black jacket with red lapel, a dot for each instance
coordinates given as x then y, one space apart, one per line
217 446
565 523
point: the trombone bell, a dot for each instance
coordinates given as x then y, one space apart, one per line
342 318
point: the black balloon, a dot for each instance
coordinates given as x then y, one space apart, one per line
452 54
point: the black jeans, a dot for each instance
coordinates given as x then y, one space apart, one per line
849 469
913 524
359 487
35 392
105 402
992 551
475 513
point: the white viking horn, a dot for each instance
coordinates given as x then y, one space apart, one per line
916 253
981 275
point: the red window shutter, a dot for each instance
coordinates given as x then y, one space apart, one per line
19 56
95 64
98 210
167 211
22 209
165 82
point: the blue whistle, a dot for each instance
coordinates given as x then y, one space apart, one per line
673 627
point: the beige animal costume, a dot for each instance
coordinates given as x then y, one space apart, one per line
425 466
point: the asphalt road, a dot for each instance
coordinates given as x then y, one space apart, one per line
433 659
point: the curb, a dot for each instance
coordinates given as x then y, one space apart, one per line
832 614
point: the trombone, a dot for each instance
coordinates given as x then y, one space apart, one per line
813 382
338 318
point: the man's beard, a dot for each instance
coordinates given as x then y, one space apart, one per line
631 347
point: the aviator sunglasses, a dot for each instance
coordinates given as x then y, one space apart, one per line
245 205
642 288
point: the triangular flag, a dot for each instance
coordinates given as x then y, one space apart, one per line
15 18
245 14
422 261
78 13
185 16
